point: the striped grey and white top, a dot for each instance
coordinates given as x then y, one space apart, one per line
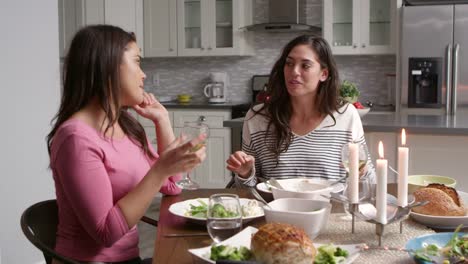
316 154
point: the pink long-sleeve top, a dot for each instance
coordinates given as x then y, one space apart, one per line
92 173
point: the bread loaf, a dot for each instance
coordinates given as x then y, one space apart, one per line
443 201
277 243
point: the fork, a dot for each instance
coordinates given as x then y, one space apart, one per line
259 197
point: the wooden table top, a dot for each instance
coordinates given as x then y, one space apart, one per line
175 249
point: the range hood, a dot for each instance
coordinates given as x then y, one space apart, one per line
285 16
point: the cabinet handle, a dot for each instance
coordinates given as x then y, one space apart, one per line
202 118
202 48
354 45
363 45
209 48
171 49
154 141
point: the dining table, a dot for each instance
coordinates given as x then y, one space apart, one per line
176 235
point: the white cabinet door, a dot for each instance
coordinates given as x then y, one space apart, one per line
439 155
212 27
67 24
127 14
160 24
360 26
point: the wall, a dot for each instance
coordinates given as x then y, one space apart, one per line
30 91
190 74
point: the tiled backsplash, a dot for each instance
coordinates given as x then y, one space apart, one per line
190 74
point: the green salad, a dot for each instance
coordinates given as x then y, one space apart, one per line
230 253
329 254
201 210
456 248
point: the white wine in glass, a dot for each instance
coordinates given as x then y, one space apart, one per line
192 130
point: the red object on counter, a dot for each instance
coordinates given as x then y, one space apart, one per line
262 96
358 105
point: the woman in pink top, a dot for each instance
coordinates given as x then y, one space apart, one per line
105 171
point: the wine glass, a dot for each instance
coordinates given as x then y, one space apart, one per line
224 216
193 130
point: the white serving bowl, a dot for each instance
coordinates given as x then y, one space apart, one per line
311 215
302 188
363 112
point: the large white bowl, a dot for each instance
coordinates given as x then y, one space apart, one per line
302 188
311 215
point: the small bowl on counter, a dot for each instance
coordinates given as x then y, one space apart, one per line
184 98
363 111
310 215
418 181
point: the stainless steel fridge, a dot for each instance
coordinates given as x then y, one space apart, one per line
434 57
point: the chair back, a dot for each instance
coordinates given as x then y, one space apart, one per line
39 224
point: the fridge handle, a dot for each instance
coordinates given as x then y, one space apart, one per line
456 50
448 79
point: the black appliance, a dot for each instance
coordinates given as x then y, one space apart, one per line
425 82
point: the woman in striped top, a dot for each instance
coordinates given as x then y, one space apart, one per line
302 128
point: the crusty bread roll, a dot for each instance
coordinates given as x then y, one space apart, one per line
276 243
443 201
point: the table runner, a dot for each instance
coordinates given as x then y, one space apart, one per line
338 231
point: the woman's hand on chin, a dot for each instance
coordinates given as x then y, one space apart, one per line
151 108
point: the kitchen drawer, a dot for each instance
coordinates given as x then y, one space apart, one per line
213 118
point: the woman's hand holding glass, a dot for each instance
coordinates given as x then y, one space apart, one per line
179 157
224 216
190 131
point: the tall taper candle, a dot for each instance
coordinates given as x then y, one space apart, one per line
381 193
403 154
353 180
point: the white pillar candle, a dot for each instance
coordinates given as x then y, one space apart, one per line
381 193
403 154
353 180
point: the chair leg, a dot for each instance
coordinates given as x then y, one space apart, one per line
149 220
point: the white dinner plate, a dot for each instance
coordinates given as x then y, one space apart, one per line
263 187
443 222
181 208
243 239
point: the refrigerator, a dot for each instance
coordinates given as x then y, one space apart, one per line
434 34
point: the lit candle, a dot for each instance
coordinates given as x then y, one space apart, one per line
403 153
381 193
353 180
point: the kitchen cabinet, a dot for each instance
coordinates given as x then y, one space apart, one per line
160 27
361 26
212 173
74 14
212 27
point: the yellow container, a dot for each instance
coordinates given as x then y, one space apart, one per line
184 98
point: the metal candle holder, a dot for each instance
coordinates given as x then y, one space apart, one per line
398 213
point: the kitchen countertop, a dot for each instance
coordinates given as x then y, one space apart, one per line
198 104
394 122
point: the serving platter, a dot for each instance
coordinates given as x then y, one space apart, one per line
443 222
181 208
243 239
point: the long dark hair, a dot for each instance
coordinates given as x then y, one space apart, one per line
91 70
278 109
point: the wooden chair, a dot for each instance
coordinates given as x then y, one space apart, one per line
39 224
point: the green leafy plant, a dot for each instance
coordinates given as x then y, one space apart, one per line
349 92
